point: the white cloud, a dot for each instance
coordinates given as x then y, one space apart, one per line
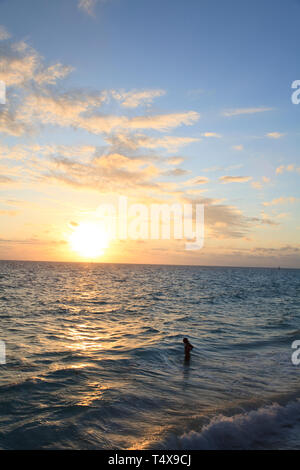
135 98
21 64
211 134
18 64
290 168
10 125
197 180
274 135
163 121
98 124
177 172
235 179
88 6
238 147
53 73
239 111
170 143
281 200
256 184
62 109
259 184
175 160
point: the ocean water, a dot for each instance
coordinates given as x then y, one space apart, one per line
94 357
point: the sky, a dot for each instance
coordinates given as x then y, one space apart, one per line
186 102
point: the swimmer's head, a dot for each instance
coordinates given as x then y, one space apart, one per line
185 340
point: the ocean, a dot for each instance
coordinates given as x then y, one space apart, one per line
94 357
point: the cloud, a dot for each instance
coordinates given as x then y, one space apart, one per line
31 241
74 109
88 6
235 179
163 122
5 179
280 169
21 153
256 185
226 221
286 249
212 169
117 173
10 125
174 160
98 124
266 256
8 212
259 184
111 172
195 192
20 64
238 147
211 134
37 103
170 143
135 98
223 221
274 135
239 111
290 168
24 73
177 172
263 220
63 109
197 180
281 200
73 224
53 73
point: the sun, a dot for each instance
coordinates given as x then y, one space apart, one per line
89 240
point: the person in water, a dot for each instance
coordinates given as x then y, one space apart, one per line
187 348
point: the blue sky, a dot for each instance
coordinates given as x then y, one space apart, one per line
226 66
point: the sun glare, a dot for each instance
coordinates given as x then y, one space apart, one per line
89 240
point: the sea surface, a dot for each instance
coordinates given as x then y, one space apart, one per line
94 357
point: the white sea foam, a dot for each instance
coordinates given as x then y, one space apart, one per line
249 430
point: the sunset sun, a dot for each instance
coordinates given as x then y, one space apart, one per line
89 240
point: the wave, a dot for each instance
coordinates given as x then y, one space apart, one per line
254 429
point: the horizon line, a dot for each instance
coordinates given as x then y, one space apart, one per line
149 264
